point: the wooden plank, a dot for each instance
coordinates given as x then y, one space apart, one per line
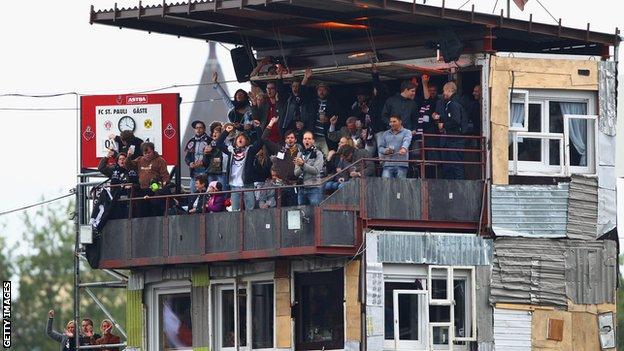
585 336
513 306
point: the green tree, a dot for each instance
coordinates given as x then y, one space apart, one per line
6 266
46 273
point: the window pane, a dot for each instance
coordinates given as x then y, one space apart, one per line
439 313
529 149
460 308
175 322
227 318
555 117
438 287
555 156
578 141
318 313
517 115
535 118
262 316
408 316
242 317
441 335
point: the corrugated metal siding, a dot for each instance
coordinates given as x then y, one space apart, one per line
530 210
549 272
583 208
512 330
433 248
529 271
607 93
591 272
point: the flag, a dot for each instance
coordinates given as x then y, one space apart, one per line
520 3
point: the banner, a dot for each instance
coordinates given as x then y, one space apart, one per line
152 117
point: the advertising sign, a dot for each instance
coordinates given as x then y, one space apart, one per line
151 117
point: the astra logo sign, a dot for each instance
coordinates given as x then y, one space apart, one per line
137 99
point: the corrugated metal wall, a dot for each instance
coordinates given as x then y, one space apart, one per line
512 330
530 210
549 272
583 208
433 248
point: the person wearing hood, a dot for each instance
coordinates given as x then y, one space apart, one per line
195 151
449 121
241 157
65 339
308 167
216 202
239 109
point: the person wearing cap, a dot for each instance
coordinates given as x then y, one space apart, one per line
316 112
195 151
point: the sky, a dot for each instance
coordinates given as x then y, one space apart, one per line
49 47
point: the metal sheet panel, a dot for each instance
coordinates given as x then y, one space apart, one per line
338 228
607 97
512 330
433 248
218 271
298 237
591 272
485 333
455 200
184 235
222 232
114 245
583 208
529 271
348 195
147 237
530 210
386 198
260 229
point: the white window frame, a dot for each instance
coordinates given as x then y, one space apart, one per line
153 307
525 102
449 286
400 273
592 143
423 315
229 284
543 167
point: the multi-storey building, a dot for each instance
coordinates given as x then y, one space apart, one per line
520 255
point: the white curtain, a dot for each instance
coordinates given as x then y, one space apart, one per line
578 128
516 118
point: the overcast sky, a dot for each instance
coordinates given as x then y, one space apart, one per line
49 47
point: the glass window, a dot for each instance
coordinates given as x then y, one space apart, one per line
460 308
176 331
262 316
408 311
440 335
319 318
242 317
227 318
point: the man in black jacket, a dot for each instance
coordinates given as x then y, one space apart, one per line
195 151
404 105
451 120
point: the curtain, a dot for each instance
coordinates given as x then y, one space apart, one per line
516 118
578 128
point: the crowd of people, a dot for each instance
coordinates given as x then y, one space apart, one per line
281 141
86 335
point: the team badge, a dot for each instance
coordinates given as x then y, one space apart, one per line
88 134
147 124
169 132
108 125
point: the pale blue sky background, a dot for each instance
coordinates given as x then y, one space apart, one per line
49 47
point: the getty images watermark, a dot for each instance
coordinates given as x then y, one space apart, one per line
6 314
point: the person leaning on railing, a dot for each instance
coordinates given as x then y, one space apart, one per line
283 156
393 146
153 176
308 167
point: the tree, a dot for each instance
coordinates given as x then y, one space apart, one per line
6 266
46 280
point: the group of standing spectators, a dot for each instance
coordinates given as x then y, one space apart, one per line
283 140
87 335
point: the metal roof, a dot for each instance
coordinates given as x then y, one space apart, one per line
310 32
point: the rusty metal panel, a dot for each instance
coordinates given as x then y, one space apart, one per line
338 228
583 208
114 244
607 97
184 235
591 271
298 237
455 200
387 198
529 271
260 229
433 248
147 237
530 210
222 232
348 195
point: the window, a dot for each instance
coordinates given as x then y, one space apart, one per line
170 326
429 307
319 310
558 137
246 315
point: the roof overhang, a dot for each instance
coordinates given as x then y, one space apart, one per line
331 32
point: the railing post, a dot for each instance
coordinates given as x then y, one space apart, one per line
422 157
